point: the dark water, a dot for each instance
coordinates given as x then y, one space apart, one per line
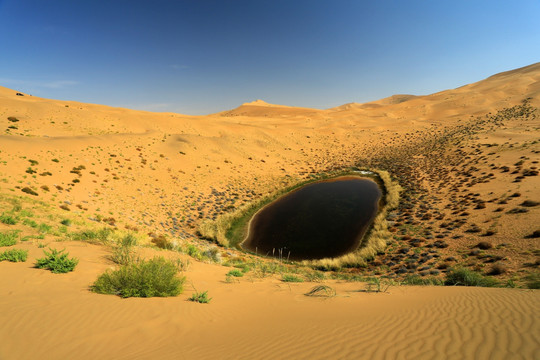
324 219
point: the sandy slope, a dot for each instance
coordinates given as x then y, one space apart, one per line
54 317
167 172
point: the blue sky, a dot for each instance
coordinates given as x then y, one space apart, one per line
200 57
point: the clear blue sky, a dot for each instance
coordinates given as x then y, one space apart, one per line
200 57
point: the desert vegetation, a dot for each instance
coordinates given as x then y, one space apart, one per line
156 277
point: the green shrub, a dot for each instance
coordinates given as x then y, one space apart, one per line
30 222
66 222
200 297
235 273
155 277
44 228
9 238
533 281
8 219
466 277
57 262
291 278
14 255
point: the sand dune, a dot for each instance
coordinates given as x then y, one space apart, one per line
464 169
54 316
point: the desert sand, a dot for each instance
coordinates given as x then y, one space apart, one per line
463 160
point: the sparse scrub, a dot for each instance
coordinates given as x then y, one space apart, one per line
8 219
321 291
14 255
419 280
235 273
123 253
291 278
378 285
9 238
27 190
532 281
57 261
147 278
200 297
466 277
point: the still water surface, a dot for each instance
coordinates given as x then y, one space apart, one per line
319 220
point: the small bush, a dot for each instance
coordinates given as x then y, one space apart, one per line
465 277
484 245
8 219
13 119
9 238
57 262
29 191
235 273
533 281
66 222
200 297
14 255
291 278
151 278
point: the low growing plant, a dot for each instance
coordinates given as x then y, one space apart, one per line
8 238
291 278
8 219
14 255
57 261
235 273
466 277
200 297
321 291
146 278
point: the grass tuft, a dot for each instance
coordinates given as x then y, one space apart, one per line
466 277
8 219
321 291
14 255
9 238
200 297
291 278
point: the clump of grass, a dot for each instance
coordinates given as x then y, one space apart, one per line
200 297
466 277
161 242
419 280
8 219
92 236
146 278
9 238
291 278
235 273
533 281
123 253
14 255
377 285
57 262
66 222
321 291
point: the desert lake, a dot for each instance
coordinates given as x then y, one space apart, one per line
319 220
